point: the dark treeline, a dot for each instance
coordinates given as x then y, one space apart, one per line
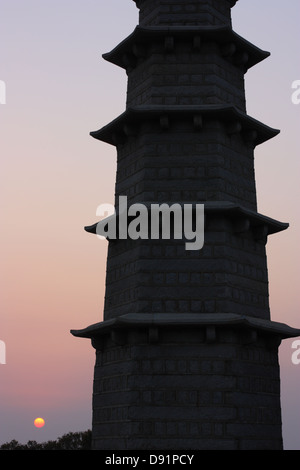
70 441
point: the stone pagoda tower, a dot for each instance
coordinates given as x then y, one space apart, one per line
187 355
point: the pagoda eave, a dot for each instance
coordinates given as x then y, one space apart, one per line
234 120
232 2
188 320
130 50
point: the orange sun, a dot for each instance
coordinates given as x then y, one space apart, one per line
39 422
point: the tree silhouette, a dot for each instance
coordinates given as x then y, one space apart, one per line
70 441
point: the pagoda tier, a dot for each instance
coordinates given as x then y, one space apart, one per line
179 12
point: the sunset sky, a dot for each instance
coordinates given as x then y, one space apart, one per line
54 176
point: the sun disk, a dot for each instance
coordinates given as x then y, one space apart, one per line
39 422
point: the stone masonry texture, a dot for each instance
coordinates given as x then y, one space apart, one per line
187 394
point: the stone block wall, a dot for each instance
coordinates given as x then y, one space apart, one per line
185 393
228 275
184 164
184 12
186 76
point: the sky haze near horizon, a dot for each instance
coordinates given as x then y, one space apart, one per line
54 176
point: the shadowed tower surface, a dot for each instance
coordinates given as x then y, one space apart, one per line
187 355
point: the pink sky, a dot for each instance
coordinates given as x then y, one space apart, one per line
54 175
